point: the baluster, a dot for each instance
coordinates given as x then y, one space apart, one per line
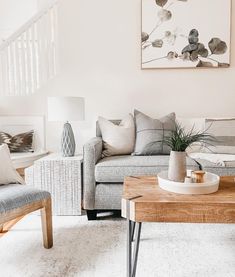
55 28
3 68
17 67
1 75
44 48
50 44
24 53
14 84
49 52
9 91
23 64
28 59
35 56
40 52
21 91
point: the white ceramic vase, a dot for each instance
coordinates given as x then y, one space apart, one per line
177 166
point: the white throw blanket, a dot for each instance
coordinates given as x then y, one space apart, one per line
219 159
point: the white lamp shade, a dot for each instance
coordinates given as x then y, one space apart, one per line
66 108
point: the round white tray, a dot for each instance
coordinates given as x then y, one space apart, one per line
210 185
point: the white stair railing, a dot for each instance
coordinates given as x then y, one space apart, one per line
28 58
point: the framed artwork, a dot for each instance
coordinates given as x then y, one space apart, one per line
185 33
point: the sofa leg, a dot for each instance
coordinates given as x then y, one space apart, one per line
91 214
117 213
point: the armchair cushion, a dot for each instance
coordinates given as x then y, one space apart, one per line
15 196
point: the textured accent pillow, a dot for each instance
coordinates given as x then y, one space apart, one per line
18 143
224 132
8 174
151 132
117 139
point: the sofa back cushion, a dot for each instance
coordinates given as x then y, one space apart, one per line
150 134
117 139
98 131
223 129
224 132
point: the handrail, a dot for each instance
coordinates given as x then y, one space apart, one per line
27 25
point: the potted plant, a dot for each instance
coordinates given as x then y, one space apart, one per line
179 141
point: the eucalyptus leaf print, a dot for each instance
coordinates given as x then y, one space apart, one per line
161 3
204 64
144 36
176 34
157 43
164 15
217 46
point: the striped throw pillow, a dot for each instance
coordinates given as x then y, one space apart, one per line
150 134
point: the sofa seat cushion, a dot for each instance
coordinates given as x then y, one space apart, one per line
15 196
115 169
228 170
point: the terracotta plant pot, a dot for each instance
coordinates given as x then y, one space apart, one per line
177 166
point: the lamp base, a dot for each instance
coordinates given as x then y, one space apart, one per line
68 145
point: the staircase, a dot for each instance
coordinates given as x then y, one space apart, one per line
28 58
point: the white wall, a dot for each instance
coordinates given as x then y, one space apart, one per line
100 60
13 14
44 3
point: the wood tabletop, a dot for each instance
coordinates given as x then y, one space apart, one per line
144 201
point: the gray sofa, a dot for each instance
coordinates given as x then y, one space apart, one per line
103 178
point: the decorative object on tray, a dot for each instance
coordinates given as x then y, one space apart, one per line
64 109
209 184
179 141
173 36
198 176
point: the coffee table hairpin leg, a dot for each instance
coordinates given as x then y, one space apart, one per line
131 239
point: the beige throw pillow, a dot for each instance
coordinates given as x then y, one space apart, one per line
8 174
117 139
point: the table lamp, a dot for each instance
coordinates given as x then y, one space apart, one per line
66 109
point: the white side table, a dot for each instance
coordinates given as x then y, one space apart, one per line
62 177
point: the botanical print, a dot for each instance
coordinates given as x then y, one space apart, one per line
185 33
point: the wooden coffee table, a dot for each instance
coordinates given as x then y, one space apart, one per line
144 201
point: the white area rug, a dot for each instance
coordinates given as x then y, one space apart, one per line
98 249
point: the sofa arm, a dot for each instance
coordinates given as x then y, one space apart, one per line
92 152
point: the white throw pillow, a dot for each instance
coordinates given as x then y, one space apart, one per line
8 174
118 139
223 129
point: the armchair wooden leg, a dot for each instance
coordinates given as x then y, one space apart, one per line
1 228
46 217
